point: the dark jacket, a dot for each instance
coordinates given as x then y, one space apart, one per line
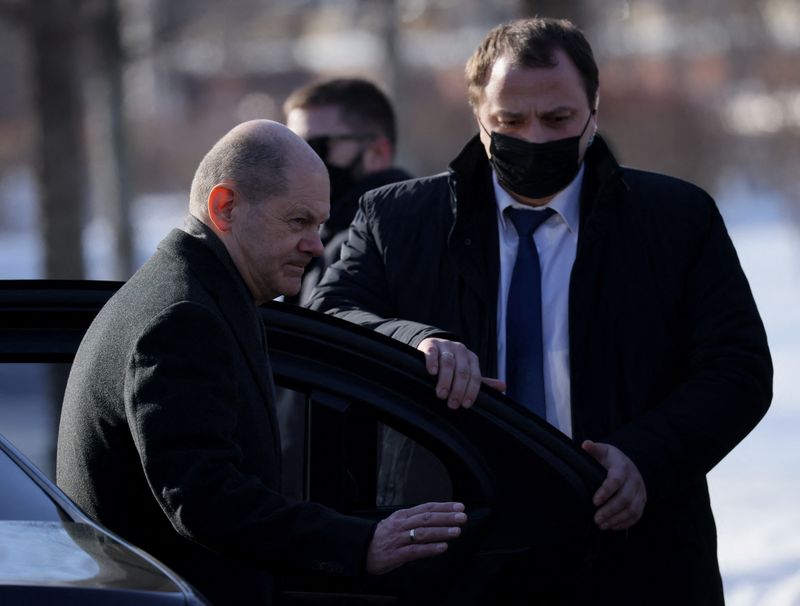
334 231
668 356
168 433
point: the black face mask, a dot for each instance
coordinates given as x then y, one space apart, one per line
535 170
342 178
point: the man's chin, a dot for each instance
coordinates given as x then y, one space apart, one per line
292 286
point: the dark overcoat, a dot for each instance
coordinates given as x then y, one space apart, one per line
668 355
168 433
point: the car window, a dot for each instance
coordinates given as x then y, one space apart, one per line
384 467
21 498
408 473
30 399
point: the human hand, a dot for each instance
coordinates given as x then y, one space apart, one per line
413 534
622 496
459 372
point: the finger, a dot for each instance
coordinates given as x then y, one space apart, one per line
616 506
614 480
622 521
474 382
435 506
435 534
431 356
433 519
495 384
610 486
598 451
625 518
629 514
461 377
447 366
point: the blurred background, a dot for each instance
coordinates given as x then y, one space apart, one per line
107 106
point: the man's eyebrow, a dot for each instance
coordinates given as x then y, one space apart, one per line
557 111
507 113
306 213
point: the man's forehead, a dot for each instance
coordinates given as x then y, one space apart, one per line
513 87
317 121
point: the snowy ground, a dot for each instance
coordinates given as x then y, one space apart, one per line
755 490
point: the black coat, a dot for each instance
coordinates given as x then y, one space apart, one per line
334 231
168 433
668 356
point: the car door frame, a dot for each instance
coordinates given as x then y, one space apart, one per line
344 367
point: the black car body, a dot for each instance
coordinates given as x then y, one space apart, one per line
51 553
527 488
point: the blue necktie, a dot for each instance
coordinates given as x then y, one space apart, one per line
524 358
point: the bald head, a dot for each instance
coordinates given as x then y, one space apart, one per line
254 157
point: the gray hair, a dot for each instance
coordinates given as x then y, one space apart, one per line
252 161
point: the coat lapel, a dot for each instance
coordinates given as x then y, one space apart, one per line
589 292
473 247
237 307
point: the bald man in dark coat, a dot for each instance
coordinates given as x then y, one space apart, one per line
168 433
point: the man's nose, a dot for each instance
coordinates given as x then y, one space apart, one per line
312 244
533 132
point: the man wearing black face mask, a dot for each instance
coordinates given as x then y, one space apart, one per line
350 123
609 300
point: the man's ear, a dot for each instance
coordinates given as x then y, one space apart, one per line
221 201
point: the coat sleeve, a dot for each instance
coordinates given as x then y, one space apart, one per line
184 403
725 383
356 288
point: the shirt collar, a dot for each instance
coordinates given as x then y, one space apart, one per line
566 203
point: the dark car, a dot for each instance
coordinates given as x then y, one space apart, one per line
365 398
51 553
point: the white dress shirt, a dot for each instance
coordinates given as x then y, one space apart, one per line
557 242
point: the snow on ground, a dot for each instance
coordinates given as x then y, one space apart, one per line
755 490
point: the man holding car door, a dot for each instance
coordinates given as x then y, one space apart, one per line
609 301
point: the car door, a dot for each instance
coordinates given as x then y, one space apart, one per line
527 488
374 440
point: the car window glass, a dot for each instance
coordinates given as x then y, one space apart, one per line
404 471
292 409
30 401
408 473
21 498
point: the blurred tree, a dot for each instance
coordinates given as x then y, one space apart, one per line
52 28
112 57
573 10
56 30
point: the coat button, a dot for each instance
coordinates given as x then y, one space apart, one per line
468 242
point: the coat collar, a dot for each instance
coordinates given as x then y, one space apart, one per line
473 240
601 185
472 196
344 208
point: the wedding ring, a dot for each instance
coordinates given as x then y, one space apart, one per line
412 535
